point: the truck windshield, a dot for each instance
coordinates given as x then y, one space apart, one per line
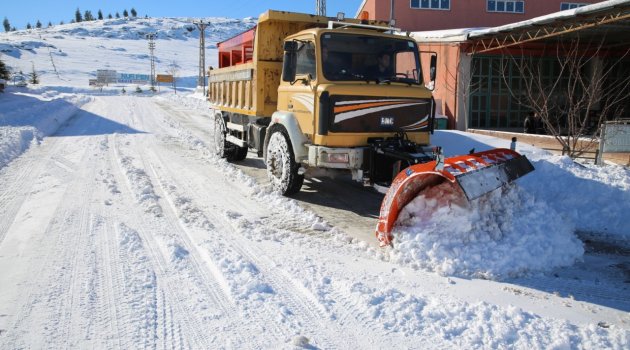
369 58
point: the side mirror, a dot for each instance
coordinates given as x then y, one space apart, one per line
433 68
289 64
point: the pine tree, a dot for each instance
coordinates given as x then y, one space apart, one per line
110 16
4 71
125 13
77 16
61 23
117 15
100 14
6 24
29 26
133 12
49 24
34 77
38 24
13 29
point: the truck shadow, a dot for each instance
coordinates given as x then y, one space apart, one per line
84 123
56 117
341 193
325 192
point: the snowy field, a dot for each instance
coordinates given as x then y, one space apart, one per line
120 229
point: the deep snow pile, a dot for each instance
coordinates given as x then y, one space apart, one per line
503 234
27 117
528 227
595 199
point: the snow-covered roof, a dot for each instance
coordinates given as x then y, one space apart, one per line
446 35
463 34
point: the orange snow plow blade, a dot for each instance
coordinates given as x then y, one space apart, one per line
476 174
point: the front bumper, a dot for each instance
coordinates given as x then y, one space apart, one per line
336 158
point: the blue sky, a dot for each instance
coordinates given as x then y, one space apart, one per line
22 12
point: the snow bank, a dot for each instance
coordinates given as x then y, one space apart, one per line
476 325
26 118
530 227
596 199
504 234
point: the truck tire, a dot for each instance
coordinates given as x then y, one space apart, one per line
220 145
282 170
239 153
223 148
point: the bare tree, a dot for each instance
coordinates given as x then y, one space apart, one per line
575 92
173 69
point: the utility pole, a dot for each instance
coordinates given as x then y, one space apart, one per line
320 7
151 38
391 11
201 80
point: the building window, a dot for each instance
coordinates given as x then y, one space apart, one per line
570 5
506 6
431 4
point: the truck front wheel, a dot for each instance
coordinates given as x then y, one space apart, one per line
282 169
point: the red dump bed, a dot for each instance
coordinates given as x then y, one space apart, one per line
237 50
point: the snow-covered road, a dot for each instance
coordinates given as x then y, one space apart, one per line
123 231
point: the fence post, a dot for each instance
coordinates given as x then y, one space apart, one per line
599 156
513 144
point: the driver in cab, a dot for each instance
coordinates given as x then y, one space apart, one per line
383 69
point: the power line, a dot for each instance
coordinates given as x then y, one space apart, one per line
151 38
201 79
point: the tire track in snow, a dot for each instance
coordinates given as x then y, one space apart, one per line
190 222
123 264
170 277
52 291
294 302
356 316
228 255
18 178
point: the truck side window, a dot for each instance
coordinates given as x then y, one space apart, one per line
306 59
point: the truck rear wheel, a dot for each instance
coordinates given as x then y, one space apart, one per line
220 144
222 147
282 170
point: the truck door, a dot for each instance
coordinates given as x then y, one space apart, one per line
298 97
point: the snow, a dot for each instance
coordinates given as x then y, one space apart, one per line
119 228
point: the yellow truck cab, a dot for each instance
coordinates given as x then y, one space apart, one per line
312 93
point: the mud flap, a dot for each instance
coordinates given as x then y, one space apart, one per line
476 174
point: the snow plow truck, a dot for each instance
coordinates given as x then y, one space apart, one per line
314 94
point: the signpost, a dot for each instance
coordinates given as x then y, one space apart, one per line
106 76
130 78
164 78
615 138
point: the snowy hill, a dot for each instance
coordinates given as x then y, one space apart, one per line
77 50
